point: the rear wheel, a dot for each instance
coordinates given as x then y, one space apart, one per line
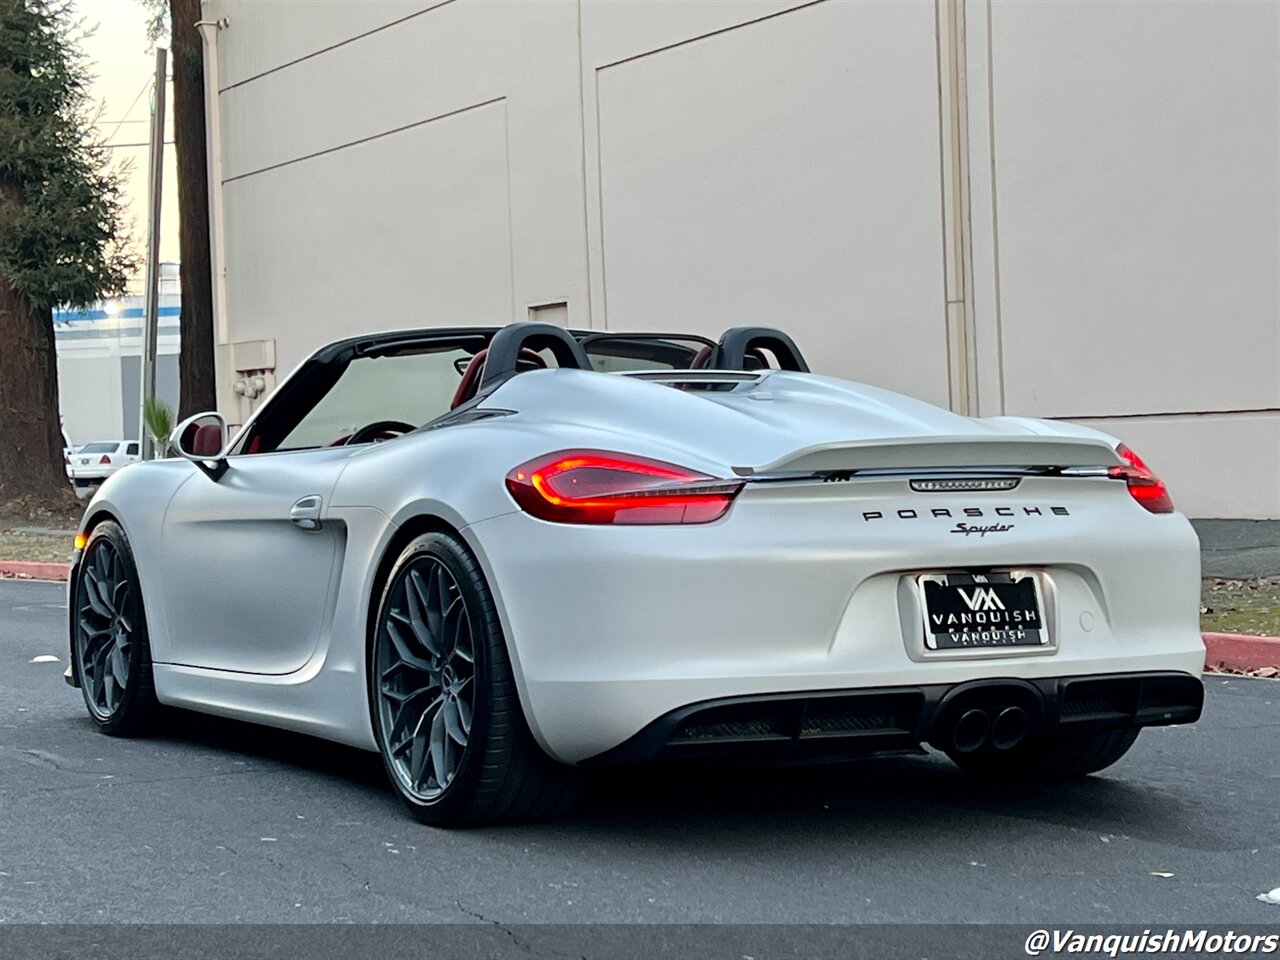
1060 757
110 644
445 709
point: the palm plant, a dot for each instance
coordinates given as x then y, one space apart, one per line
159 419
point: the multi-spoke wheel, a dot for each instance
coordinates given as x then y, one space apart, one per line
426 677
112 656
443 700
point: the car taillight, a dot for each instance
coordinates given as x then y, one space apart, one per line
1144 486
591 486
105 459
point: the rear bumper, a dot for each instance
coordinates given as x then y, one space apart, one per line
834 723
610 628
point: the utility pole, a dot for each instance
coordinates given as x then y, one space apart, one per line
151 312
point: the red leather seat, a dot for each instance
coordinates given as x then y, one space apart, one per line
207 441
203 441
704 355
470 381
467 385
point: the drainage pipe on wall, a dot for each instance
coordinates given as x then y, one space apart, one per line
957 236
213 146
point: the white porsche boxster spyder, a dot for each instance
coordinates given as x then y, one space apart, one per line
501 557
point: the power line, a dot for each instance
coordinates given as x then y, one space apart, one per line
144 143
129 109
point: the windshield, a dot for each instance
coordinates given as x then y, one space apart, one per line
409 388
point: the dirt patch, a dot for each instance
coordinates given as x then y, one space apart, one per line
37 549
1241 606
1265 673
60 513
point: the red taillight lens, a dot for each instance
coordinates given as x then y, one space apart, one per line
1144 486
591 486
105 459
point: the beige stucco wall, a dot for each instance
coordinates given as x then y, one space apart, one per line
668 165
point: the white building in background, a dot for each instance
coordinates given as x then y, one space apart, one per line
1050 209
100 362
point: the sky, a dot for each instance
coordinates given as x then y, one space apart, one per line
123 66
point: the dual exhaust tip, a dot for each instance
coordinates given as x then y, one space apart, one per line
1003 728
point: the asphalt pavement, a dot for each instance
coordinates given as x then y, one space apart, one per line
217 821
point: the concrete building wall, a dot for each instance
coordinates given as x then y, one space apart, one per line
1133 159
1051 209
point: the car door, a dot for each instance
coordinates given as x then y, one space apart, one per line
249 562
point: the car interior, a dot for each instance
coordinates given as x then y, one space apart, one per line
375 389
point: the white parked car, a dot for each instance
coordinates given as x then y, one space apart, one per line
476 553
92 463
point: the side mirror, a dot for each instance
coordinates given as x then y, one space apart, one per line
203 440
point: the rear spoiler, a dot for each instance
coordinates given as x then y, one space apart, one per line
932 453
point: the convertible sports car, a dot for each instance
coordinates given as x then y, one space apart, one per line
500 557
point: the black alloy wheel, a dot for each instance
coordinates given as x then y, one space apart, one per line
111 649
426 677
446 713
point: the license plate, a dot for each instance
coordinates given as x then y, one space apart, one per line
84 463
967 610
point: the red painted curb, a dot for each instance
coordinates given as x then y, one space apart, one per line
24 570
1240 652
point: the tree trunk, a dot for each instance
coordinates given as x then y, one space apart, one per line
31 459
195 360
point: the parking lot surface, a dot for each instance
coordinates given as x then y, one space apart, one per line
217 821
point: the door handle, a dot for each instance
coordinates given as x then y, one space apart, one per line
305 514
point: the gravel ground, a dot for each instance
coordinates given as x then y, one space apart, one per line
1241 606
42 549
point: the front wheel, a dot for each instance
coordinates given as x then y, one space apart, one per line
109 636
1059 757
443 699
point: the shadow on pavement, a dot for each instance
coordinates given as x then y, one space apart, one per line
267 743
895 791
881 795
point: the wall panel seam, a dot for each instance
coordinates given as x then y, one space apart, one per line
1252 412
511 227
710 33
334 46
362 140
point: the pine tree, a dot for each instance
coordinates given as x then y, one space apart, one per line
63 238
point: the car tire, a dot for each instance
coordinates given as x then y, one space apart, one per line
111 652
443 700
1064 756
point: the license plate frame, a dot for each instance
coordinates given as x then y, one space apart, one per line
991 605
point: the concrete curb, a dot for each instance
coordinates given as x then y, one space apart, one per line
1234 650
1240 652
25 570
